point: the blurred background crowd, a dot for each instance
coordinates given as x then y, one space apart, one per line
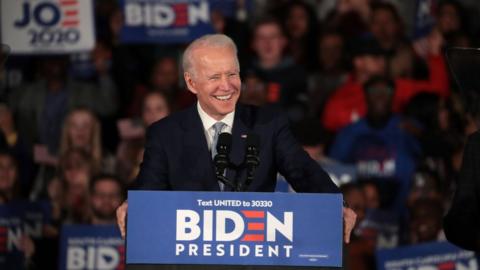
370 100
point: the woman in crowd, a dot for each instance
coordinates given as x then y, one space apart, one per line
82 130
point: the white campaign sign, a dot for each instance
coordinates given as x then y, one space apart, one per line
47 26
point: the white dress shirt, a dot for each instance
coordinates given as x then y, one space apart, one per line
208 123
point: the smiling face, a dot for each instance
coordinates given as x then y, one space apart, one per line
215 79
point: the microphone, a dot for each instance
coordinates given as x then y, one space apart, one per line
221 159
252 159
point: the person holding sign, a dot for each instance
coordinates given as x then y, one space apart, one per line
179 148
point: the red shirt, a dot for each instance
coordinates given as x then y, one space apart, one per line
347 104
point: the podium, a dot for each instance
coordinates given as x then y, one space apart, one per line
233 230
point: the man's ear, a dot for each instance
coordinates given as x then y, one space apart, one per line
190 82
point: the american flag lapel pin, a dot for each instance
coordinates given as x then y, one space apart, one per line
243 136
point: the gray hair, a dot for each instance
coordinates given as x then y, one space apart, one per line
213 40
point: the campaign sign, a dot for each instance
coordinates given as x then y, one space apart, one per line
47 26
429 256
19 219
381 224
165 21
90 247
424 18
234 228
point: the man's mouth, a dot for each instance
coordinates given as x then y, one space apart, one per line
224 98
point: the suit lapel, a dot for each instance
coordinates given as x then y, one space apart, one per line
196 150
239 132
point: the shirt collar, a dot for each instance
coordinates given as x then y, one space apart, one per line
208 121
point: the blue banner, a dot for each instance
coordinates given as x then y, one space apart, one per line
91 247
228 228
165 21
429 256
19 219
424 18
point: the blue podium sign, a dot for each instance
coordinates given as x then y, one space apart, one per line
428 256
228 228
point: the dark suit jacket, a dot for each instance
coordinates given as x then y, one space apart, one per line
462 223
177 157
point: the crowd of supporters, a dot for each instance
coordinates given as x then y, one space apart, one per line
364 96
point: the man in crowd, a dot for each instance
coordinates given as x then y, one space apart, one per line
347 104
377 144
179 148
106 194
286 82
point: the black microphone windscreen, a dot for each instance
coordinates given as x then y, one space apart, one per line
224 140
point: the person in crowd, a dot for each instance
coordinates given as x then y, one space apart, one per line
361 251
300 23
332 71
286 81
350 17
9 184
377 144
10 192
425 184
129 152
386 26
41 106
106 194
451 17
372 194
426 221
90 65
82 130
348 103
69 192
16 144
355 198
155 107
440 130
163 79
212 72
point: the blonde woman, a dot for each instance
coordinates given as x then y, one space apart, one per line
82 130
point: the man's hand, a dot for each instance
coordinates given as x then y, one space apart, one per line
349 218
121 217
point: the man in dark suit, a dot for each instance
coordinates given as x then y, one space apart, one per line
178 148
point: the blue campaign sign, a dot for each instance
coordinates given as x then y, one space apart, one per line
228 228
19 219
91 247
385 226
429 256
424 18
165 21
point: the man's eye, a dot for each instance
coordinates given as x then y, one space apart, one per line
214 78
232 75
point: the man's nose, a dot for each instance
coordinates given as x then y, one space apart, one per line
224 83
